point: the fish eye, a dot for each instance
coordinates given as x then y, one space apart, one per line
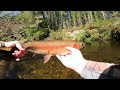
82 44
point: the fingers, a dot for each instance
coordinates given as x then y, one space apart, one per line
61 57
71 48
20 50
18 54
74 50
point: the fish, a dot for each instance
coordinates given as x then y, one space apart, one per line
51 47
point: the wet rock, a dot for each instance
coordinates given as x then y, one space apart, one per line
73 33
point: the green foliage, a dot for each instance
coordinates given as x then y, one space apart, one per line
10 30
105 35
100 23
60 35
35 34
87 36
93 35
81 36
31 25
26 17
88 40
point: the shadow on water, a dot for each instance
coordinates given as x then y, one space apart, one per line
103 51
7 65
34 68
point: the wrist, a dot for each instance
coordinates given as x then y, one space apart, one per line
2 44
80 66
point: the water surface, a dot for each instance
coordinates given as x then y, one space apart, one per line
33 67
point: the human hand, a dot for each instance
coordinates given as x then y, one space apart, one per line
74 61
17 53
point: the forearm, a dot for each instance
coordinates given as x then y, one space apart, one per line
10 43
96 70
7 44
80 66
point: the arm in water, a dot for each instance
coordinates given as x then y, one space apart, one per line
17 53
89 69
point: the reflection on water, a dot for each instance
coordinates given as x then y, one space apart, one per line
103 51
33 67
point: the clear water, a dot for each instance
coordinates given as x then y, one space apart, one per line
33 67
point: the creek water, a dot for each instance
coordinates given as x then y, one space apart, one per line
96 51
33 67
103 52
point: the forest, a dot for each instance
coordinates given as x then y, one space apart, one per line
84 26
99 30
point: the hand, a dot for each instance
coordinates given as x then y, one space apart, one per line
74 61
17 53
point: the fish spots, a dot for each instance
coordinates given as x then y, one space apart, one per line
48 51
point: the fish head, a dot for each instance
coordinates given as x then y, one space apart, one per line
79 45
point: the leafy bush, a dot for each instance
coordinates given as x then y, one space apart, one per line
60 35
25 17
87 35
35 34
106 35
81 36
94 35
10 30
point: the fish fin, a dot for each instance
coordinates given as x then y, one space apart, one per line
47 58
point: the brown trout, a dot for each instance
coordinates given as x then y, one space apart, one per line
51 47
